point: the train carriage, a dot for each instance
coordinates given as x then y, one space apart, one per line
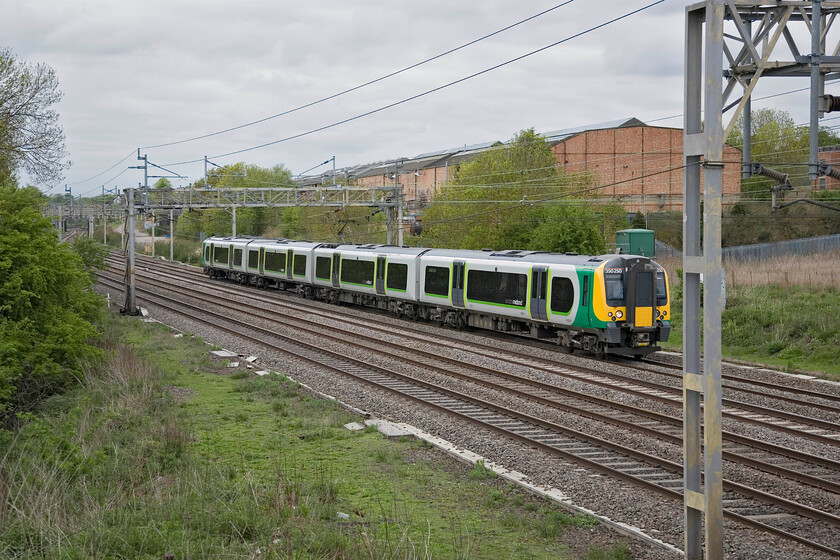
609 304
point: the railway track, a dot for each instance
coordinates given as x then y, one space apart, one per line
815 429
748 505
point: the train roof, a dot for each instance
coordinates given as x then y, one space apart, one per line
513 255
389 249
524 256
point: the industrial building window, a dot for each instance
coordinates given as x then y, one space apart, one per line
322 268
300 265
275 262
437 281
503 288
397 276
254 259
220 255
237 257
357 272
562 295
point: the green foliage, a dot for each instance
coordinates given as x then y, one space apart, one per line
92 254
793 327
46 304
162 183
780 144
514 197
481 472
249 221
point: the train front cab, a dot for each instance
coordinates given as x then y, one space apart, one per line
632 302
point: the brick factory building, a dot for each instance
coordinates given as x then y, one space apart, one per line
638 165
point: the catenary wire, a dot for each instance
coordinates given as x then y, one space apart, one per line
427 92
358 87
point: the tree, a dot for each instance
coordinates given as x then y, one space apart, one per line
162 183
779 144
46 304
513 197
249 221
30 138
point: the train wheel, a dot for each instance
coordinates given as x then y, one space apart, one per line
601 350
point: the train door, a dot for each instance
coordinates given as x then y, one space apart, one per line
458 280
380 275
539 289
208 257
261 260
641 294
585 309
290 260
336 267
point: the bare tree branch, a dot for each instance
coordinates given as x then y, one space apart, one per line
30 137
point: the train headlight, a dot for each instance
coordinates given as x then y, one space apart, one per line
610 314
619 314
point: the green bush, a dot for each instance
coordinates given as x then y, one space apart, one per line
46 304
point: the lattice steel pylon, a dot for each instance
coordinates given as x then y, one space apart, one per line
748 50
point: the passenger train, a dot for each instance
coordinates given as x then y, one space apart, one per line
608 304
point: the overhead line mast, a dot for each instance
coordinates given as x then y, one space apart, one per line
748 53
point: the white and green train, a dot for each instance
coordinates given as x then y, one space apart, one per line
608 304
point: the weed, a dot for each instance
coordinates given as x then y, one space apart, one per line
620 551
481 472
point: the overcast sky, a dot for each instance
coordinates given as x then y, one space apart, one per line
137 74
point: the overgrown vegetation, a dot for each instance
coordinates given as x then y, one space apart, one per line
47 308
791 327
174 454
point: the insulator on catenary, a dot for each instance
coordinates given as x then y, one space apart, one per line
833 103
773 174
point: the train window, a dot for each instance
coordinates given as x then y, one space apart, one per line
357 272
275 262
237 257
300 265
644 289
437 280
220 255
322 268
562 295
661 289
502 288
207 253
254 259
584 292
614 282
397 276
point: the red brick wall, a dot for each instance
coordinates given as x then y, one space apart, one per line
640 166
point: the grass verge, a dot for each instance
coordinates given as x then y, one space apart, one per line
793 328
165 450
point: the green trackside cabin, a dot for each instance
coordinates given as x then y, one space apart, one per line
636 242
